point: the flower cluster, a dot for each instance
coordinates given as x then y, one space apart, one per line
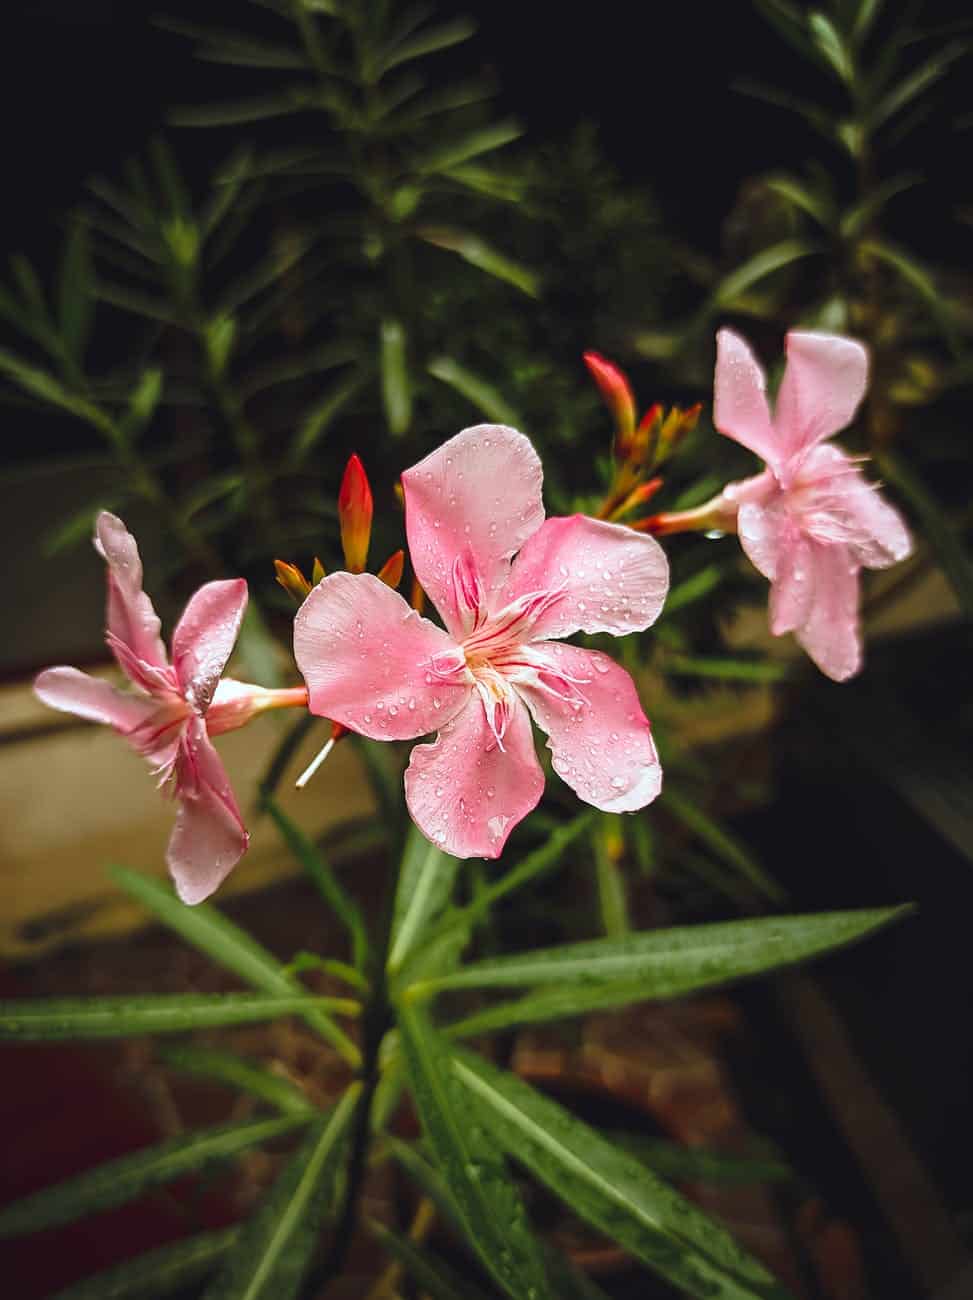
509 586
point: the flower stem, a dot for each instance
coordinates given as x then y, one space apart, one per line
716 514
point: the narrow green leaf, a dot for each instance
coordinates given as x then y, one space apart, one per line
275 1247
427 1178
535 864
260 651
804 197
484 180
857 218
122 1180
142 403
52 1019
74 290
612 898
611 1190
695 587
396 385
30 287
723 843
489 1203
670 963
233 948
485 140
236 1072
208 492
425 884
480 392
427 41
757 268
567 1002
723 668
323 414
815 116
161 1272
327 883
953 557
136 302
38 383
292 367
909 88
471 248
79 526
433 1275
829 41
700 1165
296 99
922 284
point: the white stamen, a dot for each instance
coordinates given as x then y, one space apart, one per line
314 764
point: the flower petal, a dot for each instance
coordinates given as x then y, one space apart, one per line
876 532
478 496
465 793
598 735
132 620
764 530
372 664
739 397
205 636
823 384
792 591
831 634
209 837
73 691
609 578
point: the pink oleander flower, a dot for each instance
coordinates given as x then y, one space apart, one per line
374 665
175 707
811 520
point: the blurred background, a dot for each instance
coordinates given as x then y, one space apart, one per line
244 243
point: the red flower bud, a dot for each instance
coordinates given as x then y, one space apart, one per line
355 515
391 571
615 390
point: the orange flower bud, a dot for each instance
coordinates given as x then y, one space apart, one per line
317 573
391 571
417 599
292 580
637 497
615 390
355 515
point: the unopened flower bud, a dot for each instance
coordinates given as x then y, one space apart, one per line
317 573
615 390
355 510
292 580
391 571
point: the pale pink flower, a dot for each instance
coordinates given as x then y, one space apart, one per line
811 520
374 665
175 707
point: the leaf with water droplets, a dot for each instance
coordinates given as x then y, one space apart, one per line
488 1201
610 1189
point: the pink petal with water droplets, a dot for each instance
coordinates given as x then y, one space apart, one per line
609 578
75 692
372 664
876 531
209 837
598 735
823 384
793 590
131 618
740 407
831 634
205 636
479 494
763 531
466 794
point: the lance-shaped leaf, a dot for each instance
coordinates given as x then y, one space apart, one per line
322 415
35 1020
425 884
471 248
455 152
478 1179
396 384
275 1247
610 1189
433 1275
118 1181
669 963
74 290
327 883
39 383
484 396
237 1072
723 843
725 669
160 1272
207 929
